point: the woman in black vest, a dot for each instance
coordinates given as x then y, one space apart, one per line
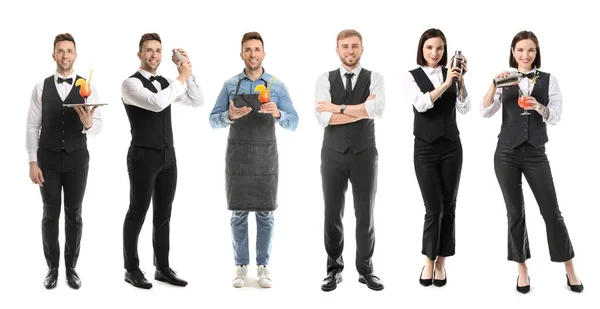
436 94
521 151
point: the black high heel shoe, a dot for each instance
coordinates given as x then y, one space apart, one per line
524 289
575 288
424 282
442 282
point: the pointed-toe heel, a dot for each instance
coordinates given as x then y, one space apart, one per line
524 289
575 288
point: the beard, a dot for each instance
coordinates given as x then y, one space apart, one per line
351 63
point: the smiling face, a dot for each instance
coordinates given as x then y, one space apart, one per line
252 54
525 53
433 51
64 55
350 49
150 55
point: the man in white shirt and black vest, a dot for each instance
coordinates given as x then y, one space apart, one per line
151 161
348 99
58 156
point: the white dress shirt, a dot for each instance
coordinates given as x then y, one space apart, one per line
135 94
374 107
34 116
555 101
422 101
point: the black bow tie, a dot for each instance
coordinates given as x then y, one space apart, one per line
529 75
68 80
157 78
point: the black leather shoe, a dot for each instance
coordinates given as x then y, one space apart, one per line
372 281
523 289
424 282
575 288
169 276
137 279
330 282
73 278
440 282
51 277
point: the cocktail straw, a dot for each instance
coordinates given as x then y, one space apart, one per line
90 79
271 83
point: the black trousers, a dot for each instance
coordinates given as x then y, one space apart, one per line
438 167
361 169
152 176
66 172
532 162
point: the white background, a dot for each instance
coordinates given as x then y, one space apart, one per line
300 45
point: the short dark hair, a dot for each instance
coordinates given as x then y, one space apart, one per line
64 37
524 35
251 36
348 33
149 37
429 34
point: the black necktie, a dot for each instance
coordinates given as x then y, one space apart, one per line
68 80
349 82
529 75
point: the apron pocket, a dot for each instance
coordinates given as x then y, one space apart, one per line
251 158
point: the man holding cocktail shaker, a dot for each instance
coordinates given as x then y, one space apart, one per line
151 158
521 151
436 93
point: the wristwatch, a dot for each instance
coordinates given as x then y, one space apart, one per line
342 108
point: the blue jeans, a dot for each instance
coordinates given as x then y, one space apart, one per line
264 234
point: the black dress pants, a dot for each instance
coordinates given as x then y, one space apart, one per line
66 172
361 170
438 167
510 164
152 176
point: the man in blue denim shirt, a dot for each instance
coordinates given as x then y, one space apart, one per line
252 165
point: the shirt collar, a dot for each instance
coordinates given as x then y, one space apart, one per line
431 71
265 76
145 73
57 75
356 70
534 69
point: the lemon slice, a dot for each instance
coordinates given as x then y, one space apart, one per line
259 88
79 82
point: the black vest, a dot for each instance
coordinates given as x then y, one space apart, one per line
440 120
150 129
61 126
359 135
516 128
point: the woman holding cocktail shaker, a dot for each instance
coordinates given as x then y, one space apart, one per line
436 93
521 151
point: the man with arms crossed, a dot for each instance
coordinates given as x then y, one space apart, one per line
348 99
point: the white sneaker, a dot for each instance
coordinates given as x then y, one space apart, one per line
241 273
263 277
